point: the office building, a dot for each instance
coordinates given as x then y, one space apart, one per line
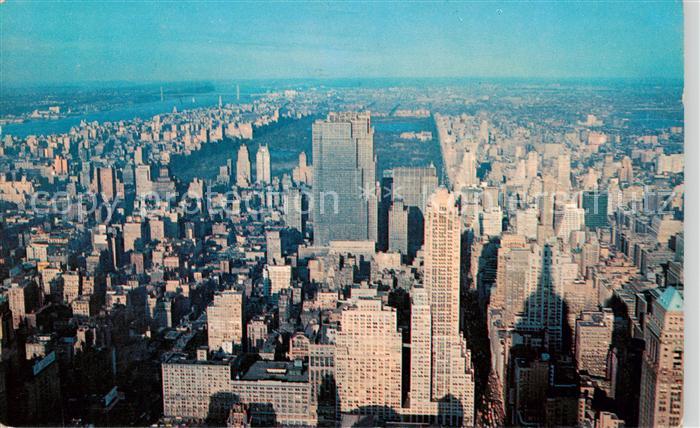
273 242
661 391
492 222
594 331
243 167
225 321
275 392
262 165
452 377
398 227
569 218
279 278
595 206
526 223
345 202
414 185
368 360
564 171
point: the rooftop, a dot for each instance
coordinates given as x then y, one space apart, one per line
671 300
276 370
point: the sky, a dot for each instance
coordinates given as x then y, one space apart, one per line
137 41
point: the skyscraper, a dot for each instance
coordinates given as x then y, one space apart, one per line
262 165
568 219
142 177
492 222
594 334
564 171
452 378
273 243
398 227
225 321
526 223
345 203
595 206
243 167
105 182
414 185
532 165
302 173
626 172
442 255
546 203
467 176
368 360
279 277
661 391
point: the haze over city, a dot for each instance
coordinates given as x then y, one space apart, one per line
172 41
341 214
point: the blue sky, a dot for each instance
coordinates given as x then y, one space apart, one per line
51 42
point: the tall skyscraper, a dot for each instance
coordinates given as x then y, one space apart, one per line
368 360
302 173
142 177
442 256
517 277
294 209
532 164
414 185
546 203
452 378
529 287
626 172
568 219
564 171
345 202
661 391
492 222
467 175
398 227
243 167
526 223
105 182
262 165
225 321
279 278
273 243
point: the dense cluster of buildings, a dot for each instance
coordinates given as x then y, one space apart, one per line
534 278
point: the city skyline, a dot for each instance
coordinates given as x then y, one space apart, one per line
328 251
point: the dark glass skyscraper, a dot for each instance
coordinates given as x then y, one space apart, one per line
345 203
595 205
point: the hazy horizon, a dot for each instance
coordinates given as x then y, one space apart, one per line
174 42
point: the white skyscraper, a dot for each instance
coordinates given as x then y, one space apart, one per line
262 165
568 219
526 223
564 171
225 321
467 176
368 360
398 227
492 222
280 277
243 167
452 375
532 165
